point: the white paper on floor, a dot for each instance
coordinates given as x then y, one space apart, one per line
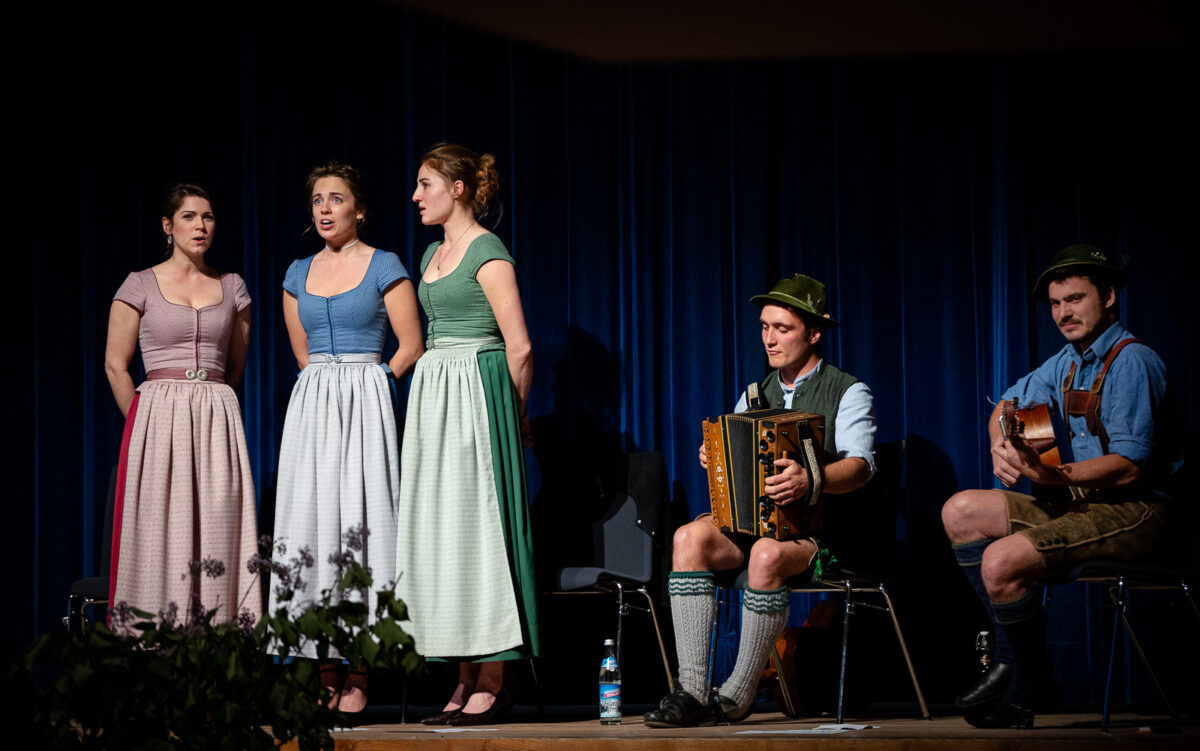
818 730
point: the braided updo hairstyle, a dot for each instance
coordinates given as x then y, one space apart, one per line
481 181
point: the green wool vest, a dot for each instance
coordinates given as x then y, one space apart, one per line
820 393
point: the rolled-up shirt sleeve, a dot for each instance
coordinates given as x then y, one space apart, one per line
854 426
1133 391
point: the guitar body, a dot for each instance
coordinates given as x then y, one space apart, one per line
1034 426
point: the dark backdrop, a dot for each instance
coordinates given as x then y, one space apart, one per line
644 205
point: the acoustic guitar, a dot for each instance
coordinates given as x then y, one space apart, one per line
1034 426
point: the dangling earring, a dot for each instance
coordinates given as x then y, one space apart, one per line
170 241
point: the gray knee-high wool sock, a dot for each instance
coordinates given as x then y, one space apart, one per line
693 606
764 614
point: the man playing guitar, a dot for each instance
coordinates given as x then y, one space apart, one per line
1106 498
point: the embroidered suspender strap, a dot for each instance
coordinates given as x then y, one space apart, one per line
1087 403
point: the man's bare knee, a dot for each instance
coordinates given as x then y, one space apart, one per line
974 514
696 546
772 563
765 561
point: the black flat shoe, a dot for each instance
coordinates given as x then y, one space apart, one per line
490 716
679 710
990 686
441 718
1004 714
725 711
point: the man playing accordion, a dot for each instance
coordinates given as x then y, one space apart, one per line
794 319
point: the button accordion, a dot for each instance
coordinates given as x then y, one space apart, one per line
741 450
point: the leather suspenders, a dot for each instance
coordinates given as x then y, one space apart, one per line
1086 403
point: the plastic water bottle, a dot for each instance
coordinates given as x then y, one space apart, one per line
610 686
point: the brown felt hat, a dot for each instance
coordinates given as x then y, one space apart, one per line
1086 260
803 294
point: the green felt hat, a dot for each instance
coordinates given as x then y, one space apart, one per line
803 294
1086 259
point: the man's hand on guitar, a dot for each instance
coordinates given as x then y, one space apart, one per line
1001 467
1014 459
789 482
703 458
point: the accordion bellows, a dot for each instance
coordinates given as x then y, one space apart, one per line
742 449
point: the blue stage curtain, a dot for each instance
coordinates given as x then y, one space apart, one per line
644 205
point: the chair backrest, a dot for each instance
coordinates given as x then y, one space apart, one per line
625 538
624 547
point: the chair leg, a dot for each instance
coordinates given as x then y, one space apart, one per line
789 706
912 672
1117 594
537 691
75 613
841 703
1187 592
404 699
621 610
1137 645
719 595
662 649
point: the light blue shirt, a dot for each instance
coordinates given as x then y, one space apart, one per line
1131 404
854 426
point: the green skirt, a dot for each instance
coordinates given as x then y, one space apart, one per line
464 545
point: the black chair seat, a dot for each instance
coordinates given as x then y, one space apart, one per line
582 577
1144 571
95 588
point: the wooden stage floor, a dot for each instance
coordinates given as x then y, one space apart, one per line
577 729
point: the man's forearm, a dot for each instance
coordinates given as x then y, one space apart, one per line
846 475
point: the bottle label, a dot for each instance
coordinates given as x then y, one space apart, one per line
610 700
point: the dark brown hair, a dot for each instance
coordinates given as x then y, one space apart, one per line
1101 281
178 192
478 173
346 174
174 199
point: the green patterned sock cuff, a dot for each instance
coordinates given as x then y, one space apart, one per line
691 583
769 601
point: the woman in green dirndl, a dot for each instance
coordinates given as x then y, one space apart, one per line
464 549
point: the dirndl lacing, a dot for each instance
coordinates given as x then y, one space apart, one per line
323 358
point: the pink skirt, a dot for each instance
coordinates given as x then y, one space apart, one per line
184 493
